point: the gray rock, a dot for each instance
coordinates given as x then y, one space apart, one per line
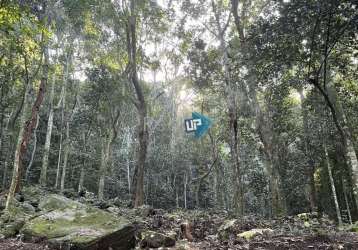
151 239
68 224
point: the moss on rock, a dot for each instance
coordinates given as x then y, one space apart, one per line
70 222
249 235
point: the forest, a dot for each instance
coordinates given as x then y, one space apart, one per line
98 99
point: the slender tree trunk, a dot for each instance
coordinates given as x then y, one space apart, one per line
105 155
2 129
334 194
128 175
82 177
309 162
347 203
4 178
219 186
28 169
66 152
274 189
102 171
82 173
43 174
230 92
185 190
63 106
138 179
26 131
197 193
58 171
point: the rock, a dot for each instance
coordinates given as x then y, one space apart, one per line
10 229
17 210
183 245
354 227
145 211
227 225
55 201
114 210
70 193
225 229
249 235
19 197
118 202
68 224
33 194
151 239
102 204
28 208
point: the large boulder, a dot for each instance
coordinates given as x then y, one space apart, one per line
68 224
151 239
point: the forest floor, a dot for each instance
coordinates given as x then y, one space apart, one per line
201 230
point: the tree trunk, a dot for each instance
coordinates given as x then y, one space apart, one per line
197 192
309 161
28 169
138 178
105 155
102 173
334 194
66 152
43 174
63 106
230 93
4 134
82 173
25 133
4 177
82 177
276 208
58 171
347 203
185 190
128 176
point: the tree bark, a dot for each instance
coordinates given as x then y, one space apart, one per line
138 179
43 174
102 173
185 190
347 202
4 178
82 172
230 92
105 154
66 152
333 188
26 132
309 161
63 106
28 169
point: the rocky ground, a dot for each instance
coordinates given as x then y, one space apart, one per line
43 220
